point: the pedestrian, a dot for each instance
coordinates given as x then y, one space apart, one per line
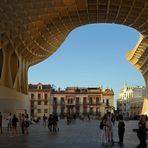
9 124
68 119
50 122
103 130
1 121
55 123
121 129
14 125
44 120
22 122
141 132
88 116
26 125
109 128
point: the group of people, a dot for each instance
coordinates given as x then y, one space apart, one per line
106 127
107 124
12 123
52 122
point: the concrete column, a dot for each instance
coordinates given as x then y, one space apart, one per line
13 101
145 104
146 81
6 78
13 86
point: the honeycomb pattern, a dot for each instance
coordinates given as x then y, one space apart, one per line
32 30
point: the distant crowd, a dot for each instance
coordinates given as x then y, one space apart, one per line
13 121
106 126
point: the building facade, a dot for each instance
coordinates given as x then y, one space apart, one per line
73 100
130 101
82 101
39 95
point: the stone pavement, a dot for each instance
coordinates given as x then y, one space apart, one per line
81 134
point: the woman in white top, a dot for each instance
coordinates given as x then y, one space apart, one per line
109 128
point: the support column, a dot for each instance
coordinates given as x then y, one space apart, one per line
13 101
145 103
13 82
6 78
146 82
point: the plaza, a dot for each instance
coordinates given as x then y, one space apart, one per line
79 134
31 31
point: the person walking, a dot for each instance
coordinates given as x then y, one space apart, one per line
55 123
9 124
109 128
14 125
44 120
26 125
121 129
22 123
50 122
141 132
103 130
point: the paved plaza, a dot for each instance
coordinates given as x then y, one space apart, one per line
80 134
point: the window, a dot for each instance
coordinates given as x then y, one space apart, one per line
32 96
71 101
45 111
54 100
107 102
68 101
46 96
84 100
90 100
39 102
39 110
62 101
39 96
77 100
32 104
45 102
97 100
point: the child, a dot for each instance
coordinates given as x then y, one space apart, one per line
121 129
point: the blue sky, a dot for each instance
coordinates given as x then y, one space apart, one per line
92 55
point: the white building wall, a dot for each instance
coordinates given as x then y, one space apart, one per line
129 95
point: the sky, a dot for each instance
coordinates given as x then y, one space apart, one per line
91 55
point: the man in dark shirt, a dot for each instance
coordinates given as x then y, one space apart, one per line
1 119
121 129
141 132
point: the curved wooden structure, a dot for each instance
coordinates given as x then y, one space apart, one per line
31 30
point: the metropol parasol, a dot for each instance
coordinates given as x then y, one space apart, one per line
32 30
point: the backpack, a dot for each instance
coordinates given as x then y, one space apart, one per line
101 125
